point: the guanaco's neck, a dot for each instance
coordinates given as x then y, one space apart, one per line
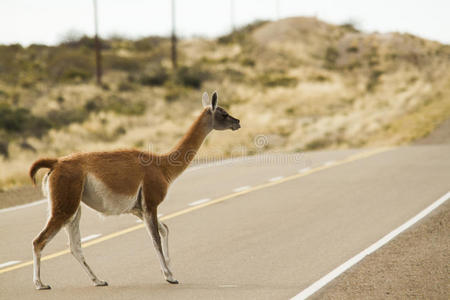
178 159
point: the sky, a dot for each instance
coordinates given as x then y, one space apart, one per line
50 21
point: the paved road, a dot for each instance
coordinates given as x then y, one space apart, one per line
270 240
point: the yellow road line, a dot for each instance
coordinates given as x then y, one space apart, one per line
220 199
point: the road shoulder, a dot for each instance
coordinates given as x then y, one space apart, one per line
414 265
20 195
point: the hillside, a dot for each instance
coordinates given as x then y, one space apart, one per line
302 83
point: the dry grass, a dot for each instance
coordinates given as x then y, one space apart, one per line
280 81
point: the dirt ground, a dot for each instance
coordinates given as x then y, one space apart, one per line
415 265
20 195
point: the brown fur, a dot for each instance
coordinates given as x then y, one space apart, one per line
124 170
41 163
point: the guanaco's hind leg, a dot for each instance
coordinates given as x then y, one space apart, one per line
73 232
50 230
164 231
65 189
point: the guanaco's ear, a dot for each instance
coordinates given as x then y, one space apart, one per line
205 99
214 101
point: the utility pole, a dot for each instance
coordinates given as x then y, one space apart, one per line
233 26
277 9
174 38
98 56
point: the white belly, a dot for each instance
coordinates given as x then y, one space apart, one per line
101 198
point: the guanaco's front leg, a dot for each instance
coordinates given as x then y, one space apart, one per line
151 220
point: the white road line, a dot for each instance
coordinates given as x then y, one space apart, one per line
329 163
355 259
276 178
228 285
304 170
199 202
90 237
221 162
9 263
242 188
23 206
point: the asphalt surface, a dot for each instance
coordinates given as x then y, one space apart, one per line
269 241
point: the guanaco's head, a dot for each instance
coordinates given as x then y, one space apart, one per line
221 120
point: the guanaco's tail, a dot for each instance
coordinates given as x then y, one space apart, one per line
41 163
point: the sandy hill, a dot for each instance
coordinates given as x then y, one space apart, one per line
302 83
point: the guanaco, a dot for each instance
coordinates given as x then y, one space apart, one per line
119 182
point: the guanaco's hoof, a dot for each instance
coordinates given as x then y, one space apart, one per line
172 281
101 283
43 287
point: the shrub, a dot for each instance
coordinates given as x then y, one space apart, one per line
234 74
20 121
10 65
69 64
246 61
191 76
93 104
290 111
148 43
277 79
75 74
122 106
174 92
353 49
60 99
113 103
121 63
318 77
74 40
4 94
373 79
126 86
331 56
4 148
350 26
318 143
63 117
155 76
120 130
